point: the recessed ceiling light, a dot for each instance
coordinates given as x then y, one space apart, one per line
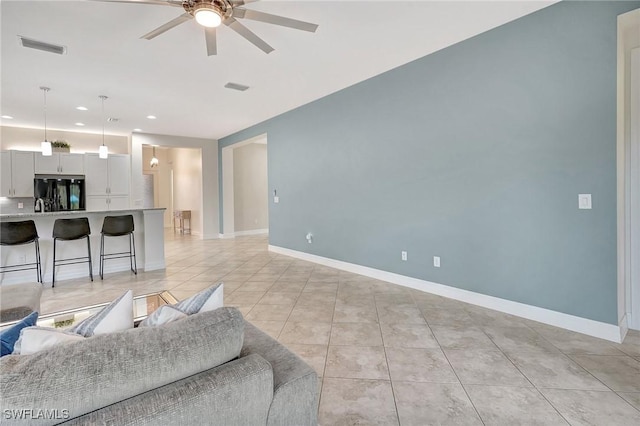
151 117
81 108
80 124
8 117
137 130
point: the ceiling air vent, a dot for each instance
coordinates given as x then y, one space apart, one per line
236 86
41 45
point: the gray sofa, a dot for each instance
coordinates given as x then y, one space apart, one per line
210 368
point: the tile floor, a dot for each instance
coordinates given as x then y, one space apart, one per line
390 355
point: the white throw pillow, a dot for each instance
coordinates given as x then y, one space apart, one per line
163 315
116 316
206 300
35 339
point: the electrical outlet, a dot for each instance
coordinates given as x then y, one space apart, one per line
436 261
276 199
22 259
404 255
21 205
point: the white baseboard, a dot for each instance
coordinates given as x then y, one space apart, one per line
74 271
558 319
624 326
251 232
243 233
154 266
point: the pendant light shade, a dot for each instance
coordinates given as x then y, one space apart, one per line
103 151
45 145
154 160
46 148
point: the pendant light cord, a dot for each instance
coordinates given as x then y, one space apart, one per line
103 97
45 90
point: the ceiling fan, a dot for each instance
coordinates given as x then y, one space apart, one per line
211 13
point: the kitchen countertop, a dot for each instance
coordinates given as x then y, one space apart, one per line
75 212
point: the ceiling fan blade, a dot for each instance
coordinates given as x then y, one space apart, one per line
210 37
166 27
254 15
248 34
241 2
175 3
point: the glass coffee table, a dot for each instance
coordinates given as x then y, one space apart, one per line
143 305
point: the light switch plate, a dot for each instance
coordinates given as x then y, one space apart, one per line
584 201
436 261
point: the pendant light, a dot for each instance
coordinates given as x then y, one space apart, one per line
45 145
103 152
154 159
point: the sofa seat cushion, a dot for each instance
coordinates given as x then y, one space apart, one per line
102 370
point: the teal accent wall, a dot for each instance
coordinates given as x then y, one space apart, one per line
475 153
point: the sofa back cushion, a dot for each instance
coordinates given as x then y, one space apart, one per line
80 377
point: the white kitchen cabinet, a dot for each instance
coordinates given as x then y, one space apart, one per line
109 176
107 202
17 174
60 163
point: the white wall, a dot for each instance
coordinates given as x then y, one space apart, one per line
251 208
23 139
187 184
208 220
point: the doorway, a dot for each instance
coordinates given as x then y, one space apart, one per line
245 188
633 194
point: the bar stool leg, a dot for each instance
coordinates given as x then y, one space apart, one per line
102 257
89 253
53 280
132 249
38 264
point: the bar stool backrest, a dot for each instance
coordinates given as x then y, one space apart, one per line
71 229
14 233
115 226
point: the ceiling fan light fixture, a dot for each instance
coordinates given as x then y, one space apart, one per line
208 15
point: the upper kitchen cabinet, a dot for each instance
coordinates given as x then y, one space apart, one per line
109 176
17 174
60 163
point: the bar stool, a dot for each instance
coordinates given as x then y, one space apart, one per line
70 230
118 226
19 233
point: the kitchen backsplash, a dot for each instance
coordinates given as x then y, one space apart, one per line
10 205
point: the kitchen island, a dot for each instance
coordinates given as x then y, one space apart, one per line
149 237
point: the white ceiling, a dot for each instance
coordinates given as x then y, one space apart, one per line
172 78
